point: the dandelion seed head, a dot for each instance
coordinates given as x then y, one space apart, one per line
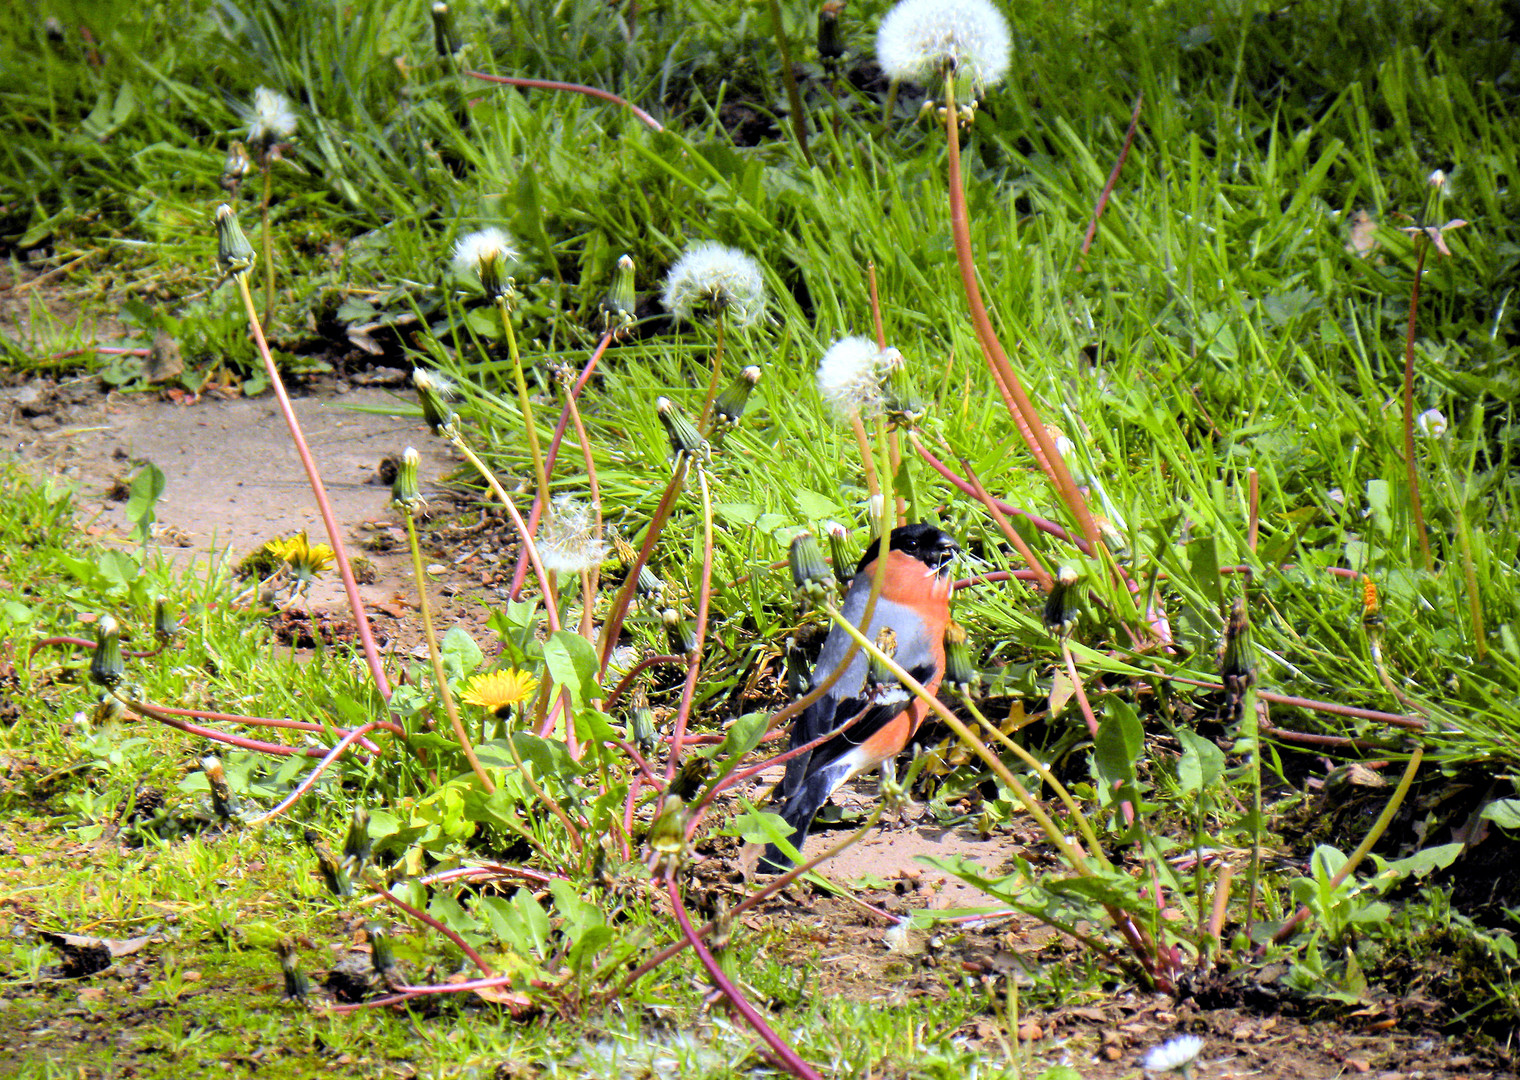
1175 1053
919 37
570 544
852 376
471 249
710 277
273 117
431 382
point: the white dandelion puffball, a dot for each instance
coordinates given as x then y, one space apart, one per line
919 37
1178 1052
488 245
273 118
852 376
570 543
709 277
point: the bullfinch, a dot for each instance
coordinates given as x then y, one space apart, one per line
915 606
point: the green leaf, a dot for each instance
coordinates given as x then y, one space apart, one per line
147 486
815 506
759 827
1504 813
1202 762
1379 494
573 663
1121 737
460 655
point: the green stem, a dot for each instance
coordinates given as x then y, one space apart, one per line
789 77
1421 245
712 381
439 675
268 240
540 474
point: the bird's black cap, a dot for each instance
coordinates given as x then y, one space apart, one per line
930 546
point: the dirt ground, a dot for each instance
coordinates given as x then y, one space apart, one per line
233 482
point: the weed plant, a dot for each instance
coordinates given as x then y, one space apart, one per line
1258 515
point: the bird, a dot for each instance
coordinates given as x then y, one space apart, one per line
914 607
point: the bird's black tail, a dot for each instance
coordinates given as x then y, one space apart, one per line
799 811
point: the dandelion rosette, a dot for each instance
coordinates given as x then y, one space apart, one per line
272 118
919 39
710 277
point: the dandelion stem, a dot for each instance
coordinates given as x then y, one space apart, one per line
1422 245
694 660
712 382
439 675
540 474
345 570
1024 414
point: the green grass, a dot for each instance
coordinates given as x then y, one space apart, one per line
1218 326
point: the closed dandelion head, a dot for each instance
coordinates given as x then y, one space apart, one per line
710 278
570 544
435 392
486 254
918 40
272 118
498 691
1177 1053
852 376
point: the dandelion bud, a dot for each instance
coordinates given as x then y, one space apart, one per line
297 985
961 675
235 166
684 440
106 666
729 406
650 586
356 842
108 709
811 579
798 674
667 835
641 722
445 33
1237 657
829 47
682 636
1431 423
1063 608
877 672
234 254
404 493
876 509
620 304
165 625
333 875
434 392
690 777
382 955
223 802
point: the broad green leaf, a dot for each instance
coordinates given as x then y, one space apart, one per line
461 656
1202 762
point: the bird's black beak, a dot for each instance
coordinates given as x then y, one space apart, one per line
944 553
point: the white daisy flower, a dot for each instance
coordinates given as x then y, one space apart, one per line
570 544
852 375
1178 1052
918 38
273 117
709 277
486 254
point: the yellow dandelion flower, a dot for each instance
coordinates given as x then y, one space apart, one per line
498 691
307 560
